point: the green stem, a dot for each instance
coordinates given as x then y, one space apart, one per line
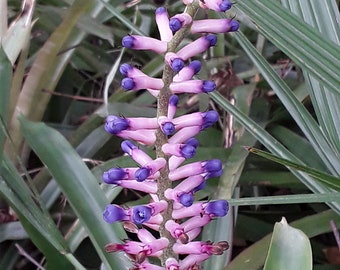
162 109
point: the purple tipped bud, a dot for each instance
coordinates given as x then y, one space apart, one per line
127 147
142 173
141 214
217 208
175 24
160 10
113 175
173 100
124 69
200 187
113 213
193 142
209 118
214 174
128 84
127 42
212 165
234 26
225 5
208 86
186 199
115 124
196 66
177 64
212 39
188 151
168 128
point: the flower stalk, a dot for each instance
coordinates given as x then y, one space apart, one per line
172 212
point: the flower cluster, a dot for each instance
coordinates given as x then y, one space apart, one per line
187 217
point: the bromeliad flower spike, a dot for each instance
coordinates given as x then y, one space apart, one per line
173 215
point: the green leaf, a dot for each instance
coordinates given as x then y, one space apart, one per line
289 249
79 186
330 180
253 257
5 82
298 40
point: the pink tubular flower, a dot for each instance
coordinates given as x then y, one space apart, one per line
172 107
209 167
172 264
202 119
217 5
198 247
193 86
184 134
143 136
146 186
198 46
188 72
214 26
193 261
135 153
162 21
115 124
144 43
217 208
141 82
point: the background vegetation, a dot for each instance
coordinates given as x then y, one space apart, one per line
278 92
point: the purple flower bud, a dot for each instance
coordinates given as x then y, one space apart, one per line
128 84
168 128
128 147
124 69
212 174
144 43
212 165
217 208
208 86
173 100
142 173
127 41
217 5
186 199
177 64
212 39
113 175
209 118
195 65
188 151
214 26
113 213
225 5
141 214
115 124
200 187
193 142
178 21
175 24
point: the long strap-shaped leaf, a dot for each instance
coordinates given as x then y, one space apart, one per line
297 39
78 184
